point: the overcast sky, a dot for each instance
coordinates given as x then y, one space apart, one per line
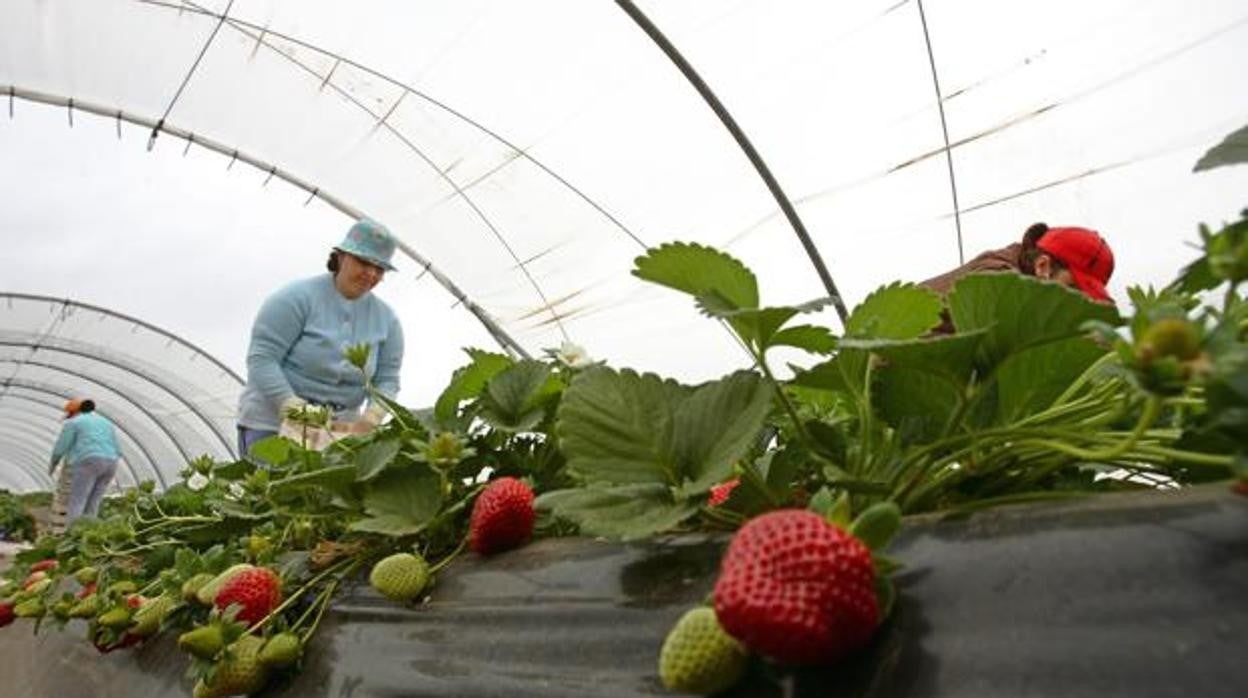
834 98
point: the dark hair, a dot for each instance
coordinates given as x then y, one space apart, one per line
332 263
1031 238
87 406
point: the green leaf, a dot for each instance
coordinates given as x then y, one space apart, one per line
618 427
896 311
514 399
759 326
401 502
405 418
841 511
918 404
885 594
715 427
699 271
274 450
238 470
884 565
373 458
1019 311
625 428
627 512
822 376
876 526
811 338
468 382
951 356
334 478
1029 381
1232 150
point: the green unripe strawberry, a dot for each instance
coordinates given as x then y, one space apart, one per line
207 594
116 618
258 546
699 657
123 587
38 587
147 619
1172 336
86 608
282 650
61 608
400 577
30 608
239 672
204 642
86 575
192 586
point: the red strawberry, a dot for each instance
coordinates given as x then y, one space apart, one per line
85 591
721 492
257 590
43 566
796 588
6 614
502 517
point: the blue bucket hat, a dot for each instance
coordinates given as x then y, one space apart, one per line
370 241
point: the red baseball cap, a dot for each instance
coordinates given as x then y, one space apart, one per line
1086 254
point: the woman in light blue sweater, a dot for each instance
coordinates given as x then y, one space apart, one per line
88 444
296 356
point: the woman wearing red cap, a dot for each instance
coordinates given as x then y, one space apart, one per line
1074 257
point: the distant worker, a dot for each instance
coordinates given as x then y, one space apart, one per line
1074 257
88 444
296 355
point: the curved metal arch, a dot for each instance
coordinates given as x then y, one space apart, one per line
441 172
43 430
782 200
38 476
39 466
212 427
521 153
123 395
129 318
64 395
505 340
127 448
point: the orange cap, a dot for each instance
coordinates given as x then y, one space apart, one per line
72 407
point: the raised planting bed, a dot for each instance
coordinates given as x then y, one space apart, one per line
1116 595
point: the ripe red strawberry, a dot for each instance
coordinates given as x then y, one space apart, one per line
721 492
257 591
85 591
502 517
796 588
43 565
6 614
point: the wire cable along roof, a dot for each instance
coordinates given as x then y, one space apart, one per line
169 401
524 154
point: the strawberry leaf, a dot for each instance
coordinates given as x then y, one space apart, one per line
1232 150
623 428
468 382
401 502
1019 312
373 458
626 512
698 271
515 399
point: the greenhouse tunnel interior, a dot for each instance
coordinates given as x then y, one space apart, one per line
169 163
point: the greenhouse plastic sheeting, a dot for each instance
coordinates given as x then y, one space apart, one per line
526 153
1124 595
169 401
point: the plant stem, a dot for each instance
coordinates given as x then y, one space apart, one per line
786 403
446 560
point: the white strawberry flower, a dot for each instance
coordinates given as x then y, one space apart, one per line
573 356
236 491
197 482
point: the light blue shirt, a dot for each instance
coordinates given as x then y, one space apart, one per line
86 435
297 345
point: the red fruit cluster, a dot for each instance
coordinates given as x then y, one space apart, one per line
43 566
502 517
797 589
6 614
721 492
257 591
85 591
